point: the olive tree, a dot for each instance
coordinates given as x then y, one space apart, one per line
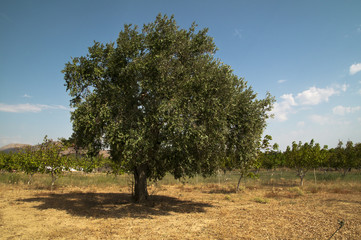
161 102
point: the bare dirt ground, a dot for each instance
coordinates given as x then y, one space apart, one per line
178 212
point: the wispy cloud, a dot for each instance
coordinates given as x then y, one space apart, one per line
301 124
26 96
314 96
355 68
281 81
319 119
27 107
342 87
238 33
327 120
341 110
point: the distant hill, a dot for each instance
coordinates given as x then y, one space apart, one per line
13 147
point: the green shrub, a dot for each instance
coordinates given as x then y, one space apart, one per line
261 200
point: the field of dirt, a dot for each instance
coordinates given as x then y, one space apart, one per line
179 212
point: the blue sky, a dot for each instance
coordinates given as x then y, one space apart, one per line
305 53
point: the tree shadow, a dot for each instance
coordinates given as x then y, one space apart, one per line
220 191
343 201
114 205
280 184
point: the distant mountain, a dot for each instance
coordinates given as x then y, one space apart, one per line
13 147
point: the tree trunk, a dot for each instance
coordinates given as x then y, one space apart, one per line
140 183
302 177
239 182
53 179
314 174
30 178
345 170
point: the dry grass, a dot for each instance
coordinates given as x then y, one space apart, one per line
179 212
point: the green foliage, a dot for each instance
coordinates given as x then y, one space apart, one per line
270 157
345 158
297 191
86 164
304 157
161 101
51 159
228 197
29 160
261 200
8 162
357 147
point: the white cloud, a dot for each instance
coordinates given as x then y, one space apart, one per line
288 98
26 96
341 110
27 107
355 68
314 96
281 81
304 100
282 108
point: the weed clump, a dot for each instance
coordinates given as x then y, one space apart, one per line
227 197
296 190
261 200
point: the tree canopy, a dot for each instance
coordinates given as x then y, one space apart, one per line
161 101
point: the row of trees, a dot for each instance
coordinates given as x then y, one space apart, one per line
304 157
49 157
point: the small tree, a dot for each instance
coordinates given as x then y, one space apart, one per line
52 161
344 158
303 157
351 155
91 163
29 161
358 156
270 156
8 162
